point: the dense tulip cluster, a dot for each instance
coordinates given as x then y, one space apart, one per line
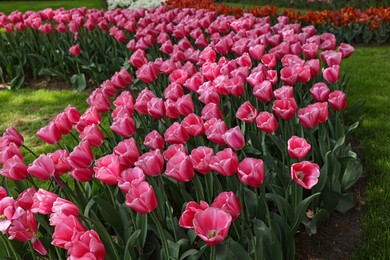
236 113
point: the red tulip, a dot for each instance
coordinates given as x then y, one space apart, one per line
74 50
269 60
337 100
7 209
310 50
185 105
212 225
331 57
314 66
176 134
125 99
62 123
151 163
42 167
187 218
127 152
251 172
3 193
141 198
81 156
298 148
60 160
305 174
171 110
285 108
267 122
98 100
257 51
73 114
138 58
25 199
107 169
180 168
228 202
173 91
201 159
225 162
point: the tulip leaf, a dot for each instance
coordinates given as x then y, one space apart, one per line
174 249
78 81
319 217
352 173
17 82
50 72
345 203
142 224
237 250
131 242
111 215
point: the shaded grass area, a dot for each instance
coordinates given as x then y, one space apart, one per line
371 81
23 6
28 110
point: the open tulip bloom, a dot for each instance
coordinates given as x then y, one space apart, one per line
221 133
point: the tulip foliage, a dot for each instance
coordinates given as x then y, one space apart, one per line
223 133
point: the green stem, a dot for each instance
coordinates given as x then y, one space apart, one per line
213 255
28 149
168 207
32 250
162 236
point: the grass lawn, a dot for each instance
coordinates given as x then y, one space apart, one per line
23 6
371 81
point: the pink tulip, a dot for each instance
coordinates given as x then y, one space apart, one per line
269 60
88 245
154 141
289 75
50 133
284 92
331 57
180 168
7 209
151 163
337 100
25 199
171 109
285 108
141 104
173 91
228 202
193 125
141 198
192 208
90 116
42 167
331 74
127 152
60 160
121 79
108 89
298 148
308 116
130 177
246 112
320 92
305 174
3 193
185 105
82 174
225 162
74 50
123 126
62 123
257 51
9 151
267 122
263 91
43 201
346 50
310 50
125 99
201 159
211 110
176 134
172 150
73 114
251 172
328 41
147 73
67 231
208 94
234 138
62 208
13 136
99 101
93 135
107 169
138 58
212 225
81 156
14 169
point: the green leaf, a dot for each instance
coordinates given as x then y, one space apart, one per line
237 250
319 217
352 173
78 81
17 82
49 72
131 242
345 203
174 249
142 224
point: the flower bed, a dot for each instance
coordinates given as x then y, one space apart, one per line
225 135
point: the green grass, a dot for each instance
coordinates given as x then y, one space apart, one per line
28 110
23 6
371 81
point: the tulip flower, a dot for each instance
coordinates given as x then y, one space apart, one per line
320 92
176 134
123 126
42 167
130 177
50 133
88 245
214 129
74 50
14 169
141 198
172 150
267 122
154 140
66 231
43 201
285 108
225 162
81 156
187 218
151 163
8 151
251 172
127 152
263 91
193 125
201 159
234 138
346 50
337 100
107 169
305 174
228 202
298 147
13 136
180 168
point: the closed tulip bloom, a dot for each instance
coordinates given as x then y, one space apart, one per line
346 50
25 199
337 100
257 51
130 177
212 225
81 156
285 108
154 141
211 110
234 138
7 152
272 76
138 58
173 91
141 104
67 231
107 169
284 92
43 201
251 172
176 134
60 160
42 167
314 66
193 125
320 92
74 50
324 113
125 99
246 112
88 245
50 133
225 162
308 116
151 163
178 76
127 152
180 167
187 218
82 174
263 91
99 101
14 169
90 116
310 50
185 105
93 135
304 73
141 198
3 193
331 74
269 60
228 202
14 136
267 122
63 207
63 124
7 209
305 174
147 73
73 114
331 57
172 150
156 108
297 147
289 75
123 126
201 159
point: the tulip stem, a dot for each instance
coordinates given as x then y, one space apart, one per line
74 137
32 250
162 236
213 255
28 149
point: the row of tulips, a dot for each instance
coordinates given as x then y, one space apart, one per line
224 134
